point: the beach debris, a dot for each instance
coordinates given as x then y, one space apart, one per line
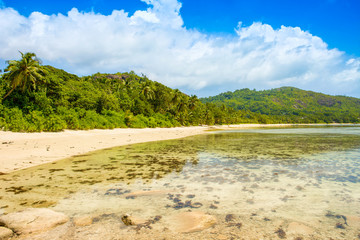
148 223
116 191
127 220
33 220
145 193
212 206
281 233
330 214
339 225
179 204
138 222
238 225
17 190
229 217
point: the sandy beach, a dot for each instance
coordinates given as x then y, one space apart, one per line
24 150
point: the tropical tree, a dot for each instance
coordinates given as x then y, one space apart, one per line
24 73
148 92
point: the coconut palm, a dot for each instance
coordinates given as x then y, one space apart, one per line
24 73
148 92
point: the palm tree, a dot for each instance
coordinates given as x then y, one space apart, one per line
148 92
24 73
193 102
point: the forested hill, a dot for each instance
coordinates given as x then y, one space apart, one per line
55 100
59 100
289 104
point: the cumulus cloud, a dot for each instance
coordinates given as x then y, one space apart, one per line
157 43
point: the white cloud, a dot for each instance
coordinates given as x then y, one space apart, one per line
157 43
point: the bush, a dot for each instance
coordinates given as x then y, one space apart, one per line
14 120
54 123
36 121
138 121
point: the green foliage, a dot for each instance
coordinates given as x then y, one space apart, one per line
291 105
105 101
25 73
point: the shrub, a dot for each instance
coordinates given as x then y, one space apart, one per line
54 123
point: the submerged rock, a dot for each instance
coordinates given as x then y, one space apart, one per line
145 193
5 233
131 220
188 222
298 228
33 220
83 221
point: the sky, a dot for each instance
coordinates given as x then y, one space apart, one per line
200 47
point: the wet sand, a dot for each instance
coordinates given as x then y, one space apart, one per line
277 187
24 150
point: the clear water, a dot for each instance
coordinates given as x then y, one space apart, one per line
256 182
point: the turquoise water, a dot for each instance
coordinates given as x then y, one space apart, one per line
302 181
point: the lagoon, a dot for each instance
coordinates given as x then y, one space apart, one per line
291 183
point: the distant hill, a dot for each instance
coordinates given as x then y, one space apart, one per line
289 104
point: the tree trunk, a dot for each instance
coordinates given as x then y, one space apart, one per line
8 93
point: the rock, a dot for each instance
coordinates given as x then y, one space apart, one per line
188 222
298 228
145 193
5 233
33 220
131 220
83 221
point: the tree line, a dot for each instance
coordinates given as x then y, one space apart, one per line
44 98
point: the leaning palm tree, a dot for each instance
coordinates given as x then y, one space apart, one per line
24 73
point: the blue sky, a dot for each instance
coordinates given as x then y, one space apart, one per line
201 47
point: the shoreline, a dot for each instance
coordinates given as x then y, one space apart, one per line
24 150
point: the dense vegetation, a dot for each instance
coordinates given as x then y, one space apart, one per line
60 100
292 105
44 98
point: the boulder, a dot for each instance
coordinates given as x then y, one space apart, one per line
298 228
188 222
5 233
129 220
83 221
33 220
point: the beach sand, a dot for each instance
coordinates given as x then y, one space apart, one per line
24 150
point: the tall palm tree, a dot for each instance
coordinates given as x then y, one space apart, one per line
24 73
148 92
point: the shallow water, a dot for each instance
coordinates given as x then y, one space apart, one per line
256 182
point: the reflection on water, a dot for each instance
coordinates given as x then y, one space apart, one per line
260 183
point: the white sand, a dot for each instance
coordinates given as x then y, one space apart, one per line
23 150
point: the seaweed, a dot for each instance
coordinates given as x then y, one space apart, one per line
281 233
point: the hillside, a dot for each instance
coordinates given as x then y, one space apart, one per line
289 104
66 101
